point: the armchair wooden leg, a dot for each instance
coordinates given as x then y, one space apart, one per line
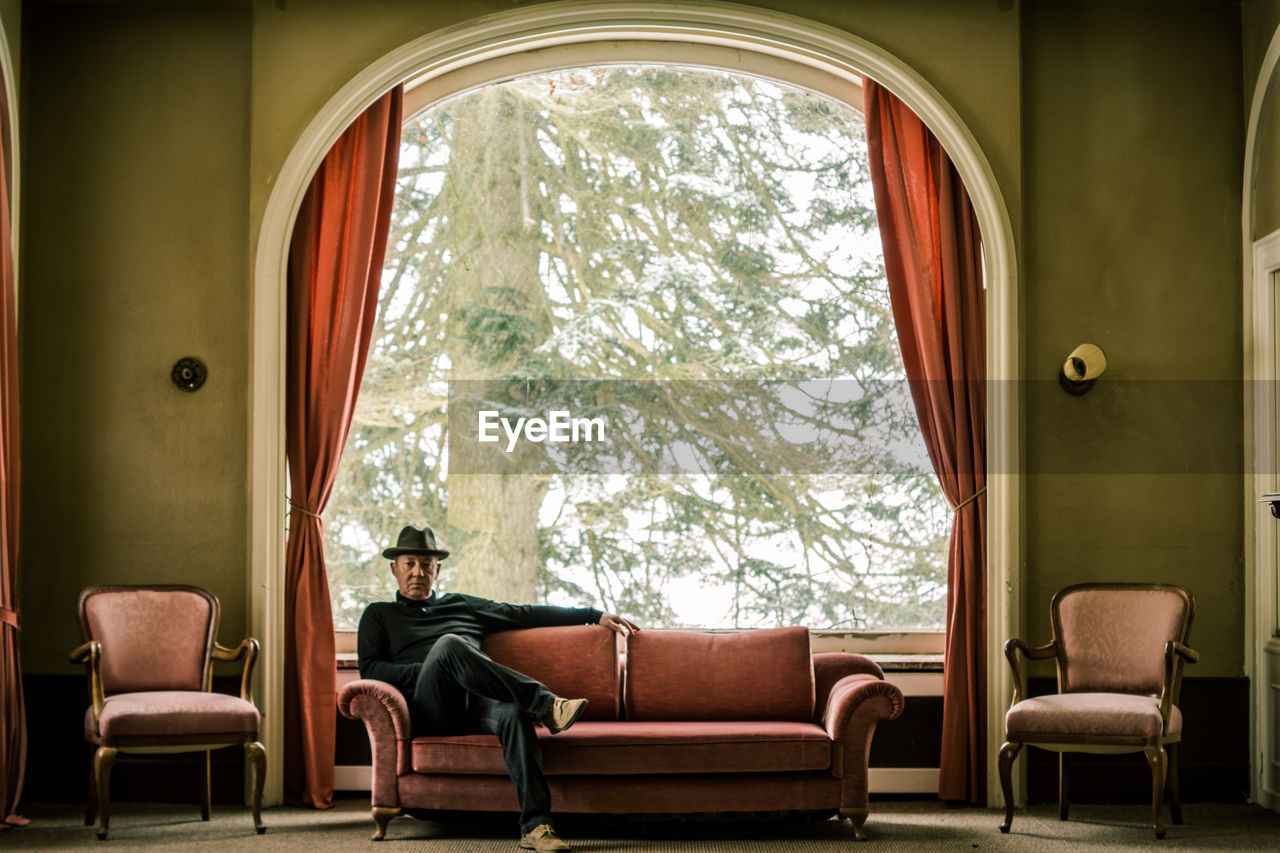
91 800
257 754
381 817
204 789
1172 787
1008 752
1157 759
1064 786
857 817
102 761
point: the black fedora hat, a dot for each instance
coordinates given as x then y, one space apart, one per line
415 541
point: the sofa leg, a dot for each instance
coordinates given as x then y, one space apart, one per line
857 817
381 817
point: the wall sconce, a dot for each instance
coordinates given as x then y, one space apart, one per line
1082 369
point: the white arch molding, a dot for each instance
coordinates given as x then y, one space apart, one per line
491 47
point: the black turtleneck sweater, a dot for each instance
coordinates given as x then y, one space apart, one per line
395 636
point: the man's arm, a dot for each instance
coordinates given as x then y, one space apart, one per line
503 616
373 651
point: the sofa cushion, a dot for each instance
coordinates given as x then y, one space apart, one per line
621 748
578 661
692 675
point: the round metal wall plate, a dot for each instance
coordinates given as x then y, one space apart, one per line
189 373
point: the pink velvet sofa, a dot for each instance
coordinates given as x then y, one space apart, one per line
678 722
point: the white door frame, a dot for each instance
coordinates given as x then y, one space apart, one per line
1259 259
1260 477
554 25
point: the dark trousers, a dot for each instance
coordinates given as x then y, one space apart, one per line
462 691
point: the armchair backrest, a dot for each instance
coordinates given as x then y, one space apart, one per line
152 637
1111 636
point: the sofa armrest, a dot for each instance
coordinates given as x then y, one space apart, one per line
856 704
829 668
386 718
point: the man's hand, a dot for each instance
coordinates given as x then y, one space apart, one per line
617 623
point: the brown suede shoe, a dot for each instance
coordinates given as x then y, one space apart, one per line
542 836
562 714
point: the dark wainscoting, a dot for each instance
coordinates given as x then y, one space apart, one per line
1215 750
1214 760
58 756
352 745
912 740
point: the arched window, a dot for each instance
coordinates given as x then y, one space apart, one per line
673 276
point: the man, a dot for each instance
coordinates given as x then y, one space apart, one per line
428 646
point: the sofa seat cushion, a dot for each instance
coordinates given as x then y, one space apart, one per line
173 713
1075 715
617 748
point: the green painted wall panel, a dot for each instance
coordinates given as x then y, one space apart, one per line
133 257
1132 145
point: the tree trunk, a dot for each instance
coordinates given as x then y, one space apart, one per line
494 515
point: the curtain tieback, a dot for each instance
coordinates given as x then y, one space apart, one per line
303 510
973 497
9 616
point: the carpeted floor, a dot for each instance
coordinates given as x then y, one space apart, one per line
893 826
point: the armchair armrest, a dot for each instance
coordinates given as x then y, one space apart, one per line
1188 654
248 649
1011 649
385 714
1175 654
90 654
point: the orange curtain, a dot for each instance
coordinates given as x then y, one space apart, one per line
933 262
13 723
335 265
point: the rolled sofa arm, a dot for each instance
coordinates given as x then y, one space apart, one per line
856 704
386 718
830 667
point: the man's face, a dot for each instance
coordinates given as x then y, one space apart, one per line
416 574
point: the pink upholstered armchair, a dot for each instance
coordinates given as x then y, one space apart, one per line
1119 648
148 654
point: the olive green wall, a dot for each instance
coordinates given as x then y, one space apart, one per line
1261 20
135 227
156 133
1133 150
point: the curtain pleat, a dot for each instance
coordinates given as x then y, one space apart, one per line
13 724
335 266
933 263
